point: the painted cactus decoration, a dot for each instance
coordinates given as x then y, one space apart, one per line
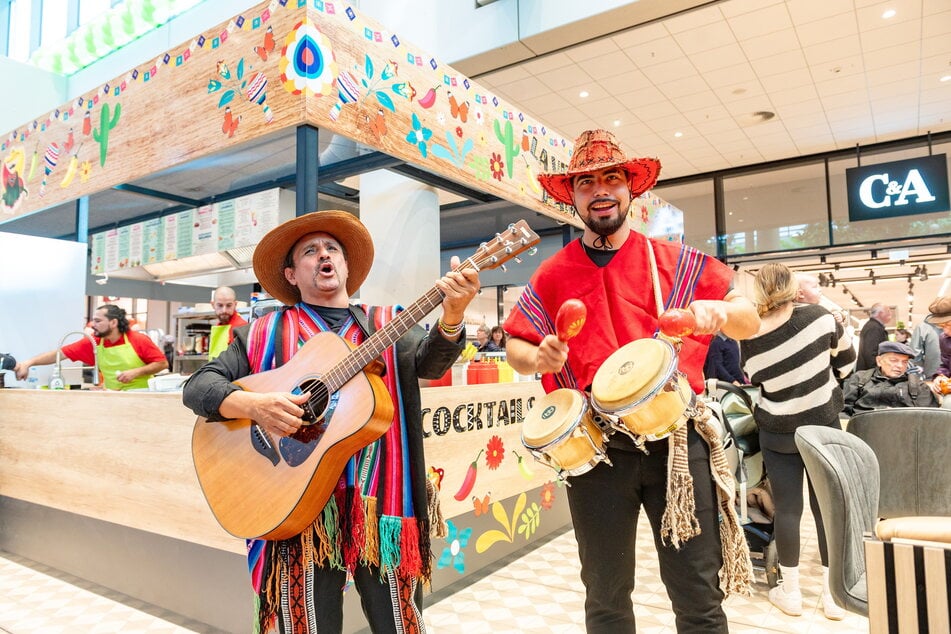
509 144
101 134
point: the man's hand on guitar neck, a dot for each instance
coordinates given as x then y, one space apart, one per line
458 287
277 412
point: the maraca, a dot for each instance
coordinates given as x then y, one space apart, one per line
677 322
570 319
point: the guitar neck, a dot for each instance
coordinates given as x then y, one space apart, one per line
382 339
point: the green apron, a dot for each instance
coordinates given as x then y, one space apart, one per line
119 358
219 341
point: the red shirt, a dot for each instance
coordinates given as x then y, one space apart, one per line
144 347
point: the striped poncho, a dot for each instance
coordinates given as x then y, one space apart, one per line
794 365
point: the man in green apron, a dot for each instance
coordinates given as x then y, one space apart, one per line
127 358
225 304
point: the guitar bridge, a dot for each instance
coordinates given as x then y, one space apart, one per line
261 442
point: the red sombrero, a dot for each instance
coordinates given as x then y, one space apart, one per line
596 150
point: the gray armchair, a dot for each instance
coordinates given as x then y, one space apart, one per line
913 447
845 475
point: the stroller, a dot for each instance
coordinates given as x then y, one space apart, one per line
733 405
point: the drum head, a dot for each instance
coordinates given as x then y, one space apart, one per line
551 416
632 373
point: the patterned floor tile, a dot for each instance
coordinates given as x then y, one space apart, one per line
527 593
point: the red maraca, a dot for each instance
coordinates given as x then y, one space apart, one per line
570 319
677 322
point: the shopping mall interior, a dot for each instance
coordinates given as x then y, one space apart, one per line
808 132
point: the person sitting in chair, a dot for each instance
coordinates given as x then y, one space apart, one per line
889 384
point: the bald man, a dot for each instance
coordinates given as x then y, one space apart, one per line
225 305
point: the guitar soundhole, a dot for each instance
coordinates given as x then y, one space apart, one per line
315 406
297 448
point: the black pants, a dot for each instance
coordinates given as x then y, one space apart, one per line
605 504
786 470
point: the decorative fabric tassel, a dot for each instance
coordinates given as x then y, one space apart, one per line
679 522
354 538
410 562
331 527
736 575
371 551
390 529
438 528
270 596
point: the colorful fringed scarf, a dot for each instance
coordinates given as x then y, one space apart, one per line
369 520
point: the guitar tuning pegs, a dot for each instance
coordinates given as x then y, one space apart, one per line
533 251
517 259
502 266
512 227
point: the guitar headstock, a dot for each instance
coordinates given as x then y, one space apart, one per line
516 239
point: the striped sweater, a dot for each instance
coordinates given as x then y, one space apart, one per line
793 368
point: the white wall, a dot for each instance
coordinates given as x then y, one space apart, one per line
43 286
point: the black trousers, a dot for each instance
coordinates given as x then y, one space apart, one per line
605 504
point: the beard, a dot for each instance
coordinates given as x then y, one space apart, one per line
606 225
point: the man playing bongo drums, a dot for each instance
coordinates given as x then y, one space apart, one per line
610 270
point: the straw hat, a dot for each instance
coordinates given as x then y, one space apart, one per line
940 310
596 150
272 250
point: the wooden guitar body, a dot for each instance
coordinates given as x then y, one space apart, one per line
260 485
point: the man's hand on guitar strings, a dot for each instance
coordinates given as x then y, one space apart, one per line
279 413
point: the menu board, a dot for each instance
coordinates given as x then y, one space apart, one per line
153 244
204 230
184 234
226 225
97 261
240 222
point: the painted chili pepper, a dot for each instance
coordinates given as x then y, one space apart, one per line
570 318
523 467
469 480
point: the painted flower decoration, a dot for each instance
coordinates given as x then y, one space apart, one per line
419 135
548 495
85 171
453 554
307 62
644 217
479 116
494 452
496 165
459 131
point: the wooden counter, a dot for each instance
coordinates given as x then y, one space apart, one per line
101 485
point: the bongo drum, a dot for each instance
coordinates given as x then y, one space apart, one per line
640 386
561 433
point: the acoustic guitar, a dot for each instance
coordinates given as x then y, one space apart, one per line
261 486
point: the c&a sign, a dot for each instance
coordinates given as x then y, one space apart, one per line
900 188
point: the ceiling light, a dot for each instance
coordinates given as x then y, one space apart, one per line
583 94
945 78
617 123
889 13
677 135
761 116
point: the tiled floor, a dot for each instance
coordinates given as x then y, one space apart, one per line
536 592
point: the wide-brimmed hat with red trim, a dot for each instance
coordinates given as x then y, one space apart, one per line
271 252
597 150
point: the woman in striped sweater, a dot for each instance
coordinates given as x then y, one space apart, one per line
793 360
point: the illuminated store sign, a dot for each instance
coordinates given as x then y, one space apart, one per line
900 188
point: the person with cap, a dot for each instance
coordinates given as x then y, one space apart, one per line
127 358
795 360
224 302
889 384
375 529
872 334
939 315
606 269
